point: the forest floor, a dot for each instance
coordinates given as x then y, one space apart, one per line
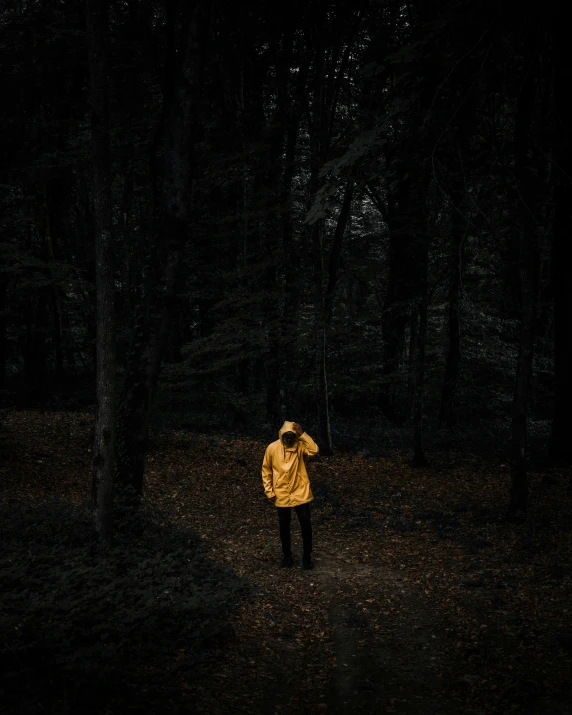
422 599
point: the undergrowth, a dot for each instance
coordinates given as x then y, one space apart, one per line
82 629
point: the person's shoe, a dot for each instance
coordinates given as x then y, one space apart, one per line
286 562
307 562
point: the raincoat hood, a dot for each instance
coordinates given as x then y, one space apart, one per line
286 427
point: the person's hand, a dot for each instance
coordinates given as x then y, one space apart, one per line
299 430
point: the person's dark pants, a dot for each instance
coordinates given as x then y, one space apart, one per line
284 519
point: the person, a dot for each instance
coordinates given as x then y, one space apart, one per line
286 482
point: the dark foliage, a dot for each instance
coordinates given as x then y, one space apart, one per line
80 627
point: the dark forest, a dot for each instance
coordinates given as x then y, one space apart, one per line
219 216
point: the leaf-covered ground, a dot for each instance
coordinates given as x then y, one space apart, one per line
422 599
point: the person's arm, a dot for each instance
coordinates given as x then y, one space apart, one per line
267 474
308 444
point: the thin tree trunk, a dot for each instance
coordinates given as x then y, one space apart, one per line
104 441
418 203
323 399
57 334
278 309
396 307
419 459
3 356
290 246
49 252
317 141
446 412
561 442
412 360
26 342
525 241
324 395
326 304
336 249
518 502
33 346
272 380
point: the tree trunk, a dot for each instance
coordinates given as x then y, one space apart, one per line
290 243
396 307
317 141
3 342
525 242
26 343
152 327
323 399
104 441
33 345
412 360
561 443
446 412
268 184
57 335
419 459
49 254
326 304
336 249
324 395
272 381
518 502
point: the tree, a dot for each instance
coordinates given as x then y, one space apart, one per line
157 299
525 240
561 232
458 232
105 420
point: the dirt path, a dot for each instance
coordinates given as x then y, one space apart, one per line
349 637
383 664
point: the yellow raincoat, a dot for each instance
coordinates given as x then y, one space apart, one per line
284 472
